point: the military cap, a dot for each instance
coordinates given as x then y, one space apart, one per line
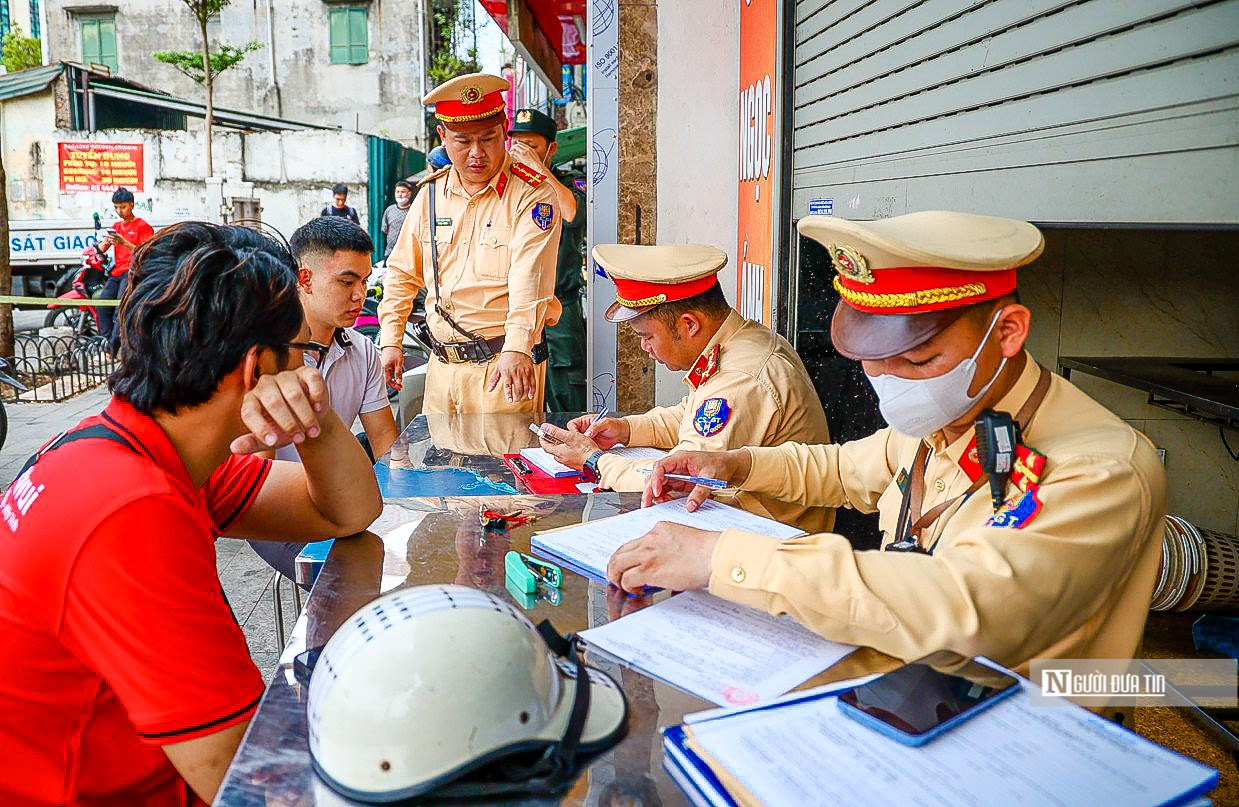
534 122
905 278
648 276
468 98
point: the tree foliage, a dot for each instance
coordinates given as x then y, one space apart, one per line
189 62
20 51
445 45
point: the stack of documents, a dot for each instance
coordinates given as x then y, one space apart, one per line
721 651
805 751
588 547
544 462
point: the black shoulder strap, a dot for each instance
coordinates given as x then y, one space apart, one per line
97 432
434 267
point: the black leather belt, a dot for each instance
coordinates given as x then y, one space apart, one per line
476 351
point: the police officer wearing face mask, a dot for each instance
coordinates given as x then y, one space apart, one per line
1059 561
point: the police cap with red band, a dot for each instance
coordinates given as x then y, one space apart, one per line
648 276
468 98
905 278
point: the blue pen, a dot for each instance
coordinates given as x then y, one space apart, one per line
601 415
704 481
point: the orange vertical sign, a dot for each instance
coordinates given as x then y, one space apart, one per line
759 153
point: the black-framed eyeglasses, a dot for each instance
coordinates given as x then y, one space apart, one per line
316 349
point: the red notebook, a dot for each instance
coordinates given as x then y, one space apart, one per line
539 481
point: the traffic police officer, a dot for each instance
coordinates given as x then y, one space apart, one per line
533 141
1056 560
747 385
481 238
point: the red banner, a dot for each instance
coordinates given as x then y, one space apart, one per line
759 152
101 166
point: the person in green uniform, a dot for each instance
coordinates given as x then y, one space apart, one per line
533 142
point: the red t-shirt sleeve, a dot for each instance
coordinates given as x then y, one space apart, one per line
145 610
233 487
142 232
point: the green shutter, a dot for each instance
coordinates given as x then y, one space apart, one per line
337 31
99 41
359 36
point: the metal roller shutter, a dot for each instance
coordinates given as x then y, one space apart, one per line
1095 111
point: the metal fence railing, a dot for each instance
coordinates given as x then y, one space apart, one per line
57 366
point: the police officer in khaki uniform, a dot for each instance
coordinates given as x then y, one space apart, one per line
1062 566
746 384
481 237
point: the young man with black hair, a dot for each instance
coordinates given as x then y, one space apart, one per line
126 678
747 385
333 262
124 236
339 205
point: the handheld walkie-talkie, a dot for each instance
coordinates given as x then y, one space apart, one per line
997 436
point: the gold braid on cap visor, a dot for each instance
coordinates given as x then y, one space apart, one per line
643 302
910 299
467 118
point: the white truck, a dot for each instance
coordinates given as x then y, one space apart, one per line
41 250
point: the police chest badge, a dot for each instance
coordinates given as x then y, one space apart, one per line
1017 512
711 417
543 215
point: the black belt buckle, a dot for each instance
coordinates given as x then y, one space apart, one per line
454 353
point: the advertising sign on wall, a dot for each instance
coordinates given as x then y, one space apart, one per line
759 157
100 166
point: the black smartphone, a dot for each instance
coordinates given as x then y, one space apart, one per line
918 702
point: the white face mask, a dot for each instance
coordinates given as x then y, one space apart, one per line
918 407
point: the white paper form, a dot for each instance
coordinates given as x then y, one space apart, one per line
637 452
1013 753
547 463
589 546
721 651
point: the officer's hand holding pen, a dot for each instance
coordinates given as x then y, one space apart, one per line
606 432
731 467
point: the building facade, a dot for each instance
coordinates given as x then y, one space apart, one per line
356 64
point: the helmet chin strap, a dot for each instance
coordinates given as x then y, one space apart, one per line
557 767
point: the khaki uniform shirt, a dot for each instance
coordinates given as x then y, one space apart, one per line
748 388
1072 579
497 253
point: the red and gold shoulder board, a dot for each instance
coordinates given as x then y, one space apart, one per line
532 177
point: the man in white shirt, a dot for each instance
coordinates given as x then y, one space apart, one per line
333 264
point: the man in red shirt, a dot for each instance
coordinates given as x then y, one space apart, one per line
125 678
125 235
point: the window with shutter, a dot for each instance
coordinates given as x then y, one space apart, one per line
99 41
348 35
34 19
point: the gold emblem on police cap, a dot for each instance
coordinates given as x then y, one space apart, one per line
851 264
471 94
523 116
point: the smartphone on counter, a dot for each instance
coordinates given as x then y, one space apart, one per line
918 702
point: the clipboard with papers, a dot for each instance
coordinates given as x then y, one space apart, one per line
775 754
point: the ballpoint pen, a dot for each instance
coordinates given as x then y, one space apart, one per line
704 481
590 429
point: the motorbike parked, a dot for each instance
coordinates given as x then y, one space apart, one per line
84 284
7 377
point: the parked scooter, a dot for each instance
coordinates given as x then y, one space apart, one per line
7 377
84 284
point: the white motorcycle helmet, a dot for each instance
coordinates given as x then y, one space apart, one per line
451 690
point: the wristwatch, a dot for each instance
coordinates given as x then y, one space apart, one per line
591 464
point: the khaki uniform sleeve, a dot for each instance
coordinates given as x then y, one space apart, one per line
753 415
659 427
1002 592
404 275
850 475
531 278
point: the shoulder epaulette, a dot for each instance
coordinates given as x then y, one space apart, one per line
531 177
432 176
